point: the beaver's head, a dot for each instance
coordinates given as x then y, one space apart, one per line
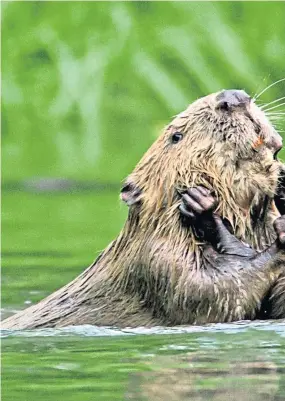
223 141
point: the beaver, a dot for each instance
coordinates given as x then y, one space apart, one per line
215 159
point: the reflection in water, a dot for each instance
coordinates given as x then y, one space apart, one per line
199 378
224 362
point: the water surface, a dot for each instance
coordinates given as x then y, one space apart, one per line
221 362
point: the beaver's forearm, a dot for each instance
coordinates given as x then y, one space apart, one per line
214 231
226 243
230 287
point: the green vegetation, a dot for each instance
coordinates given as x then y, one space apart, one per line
87 86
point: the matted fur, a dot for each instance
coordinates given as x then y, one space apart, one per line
154 272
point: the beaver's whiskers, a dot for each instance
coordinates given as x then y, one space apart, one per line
268 87
274 107
264 106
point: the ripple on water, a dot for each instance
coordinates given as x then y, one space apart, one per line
277 326
220 362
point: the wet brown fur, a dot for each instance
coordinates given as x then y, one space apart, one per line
154 272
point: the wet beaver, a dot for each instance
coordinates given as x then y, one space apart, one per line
198 245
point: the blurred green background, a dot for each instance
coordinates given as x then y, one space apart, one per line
86 88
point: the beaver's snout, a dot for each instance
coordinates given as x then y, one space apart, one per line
276 145
232 98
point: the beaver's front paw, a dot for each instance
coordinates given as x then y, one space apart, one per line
197 201
279 227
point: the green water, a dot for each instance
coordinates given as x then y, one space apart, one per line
50 238
222 362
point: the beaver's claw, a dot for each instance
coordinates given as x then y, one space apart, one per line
197 201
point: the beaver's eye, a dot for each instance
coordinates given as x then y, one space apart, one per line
176 137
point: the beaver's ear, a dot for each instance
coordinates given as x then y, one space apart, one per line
130 193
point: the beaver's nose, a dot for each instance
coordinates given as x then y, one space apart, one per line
231 98
275 143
